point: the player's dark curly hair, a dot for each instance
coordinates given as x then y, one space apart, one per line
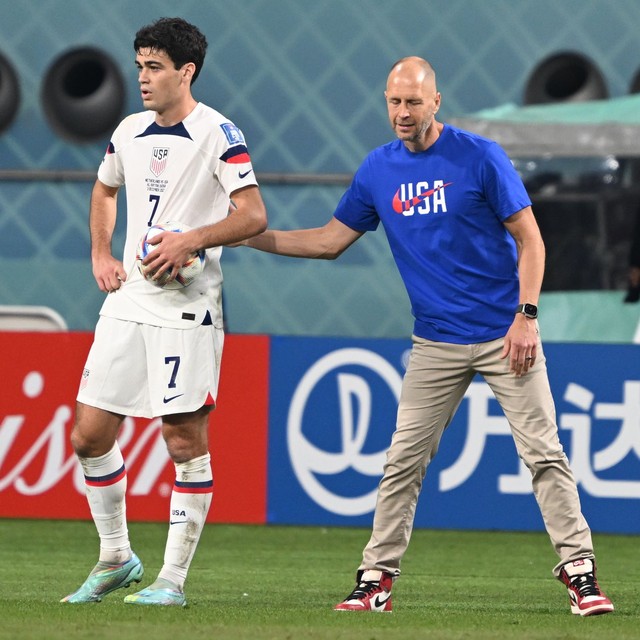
180 40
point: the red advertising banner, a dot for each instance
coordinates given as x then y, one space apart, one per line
39 474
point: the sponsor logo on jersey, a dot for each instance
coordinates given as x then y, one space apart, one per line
159 157
420 198
234 135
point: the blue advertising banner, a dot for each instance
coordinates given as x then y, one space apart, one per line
332 414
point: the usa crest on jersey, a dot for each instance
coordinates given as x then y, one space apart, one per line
158 160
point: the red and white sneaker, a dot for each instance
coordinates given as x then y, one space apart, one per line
372 593
585 596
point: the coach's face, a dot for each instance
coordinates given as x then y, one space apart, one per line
412 102
162 86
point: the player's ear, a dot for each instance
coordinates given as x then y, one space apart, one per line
188 70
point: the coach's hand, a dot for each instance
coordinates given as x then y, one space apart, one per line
521 345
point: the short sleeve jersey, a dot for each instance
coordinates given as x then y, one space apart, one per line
184 173
443 211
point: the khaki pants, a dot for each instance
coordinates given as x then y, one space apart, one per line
435 382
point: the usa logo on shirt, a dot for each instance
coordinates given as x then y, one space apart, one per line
419 197
158 160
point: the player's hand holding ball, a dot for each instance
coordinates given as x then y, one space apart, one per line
187 273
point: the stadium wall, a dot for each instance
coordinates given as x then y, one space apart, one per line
301 430
304 81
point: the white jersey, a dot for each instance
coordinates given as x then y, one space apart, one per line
183 173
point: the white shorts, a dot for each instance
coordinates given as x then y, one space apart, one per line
144 371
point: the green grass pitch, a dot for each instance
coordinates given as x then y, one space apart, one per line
280 583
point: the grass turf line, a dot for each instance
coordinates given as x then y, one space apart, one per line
267 582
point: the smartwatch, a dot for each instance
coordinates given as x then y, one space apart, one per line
528 310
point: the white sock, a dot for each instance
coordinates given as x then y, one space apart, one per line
190 502
105 480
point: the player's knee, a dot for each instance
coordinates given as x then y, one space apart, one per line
186 440
89 444
183 450
83 447
94 431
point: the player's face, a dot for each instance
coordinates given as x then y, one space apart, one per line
162 86
412 102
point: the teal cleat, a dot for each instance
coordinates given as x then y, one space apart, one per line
106 578
161 592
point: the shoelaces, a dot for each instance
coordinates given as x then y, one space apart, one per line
586 585
364 589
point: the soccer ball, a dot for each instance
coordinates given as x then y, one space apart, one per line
189 271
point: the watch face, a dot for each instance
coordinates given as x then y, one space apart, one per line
530 310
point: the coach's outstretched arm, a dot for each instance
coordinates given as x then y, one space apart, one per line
325 243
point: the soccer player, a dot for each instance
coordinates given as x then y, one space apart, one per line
462 232
157 352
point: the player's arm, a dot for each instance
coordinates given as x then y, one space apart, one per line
107 270
522 338
326 242
172 250
248 218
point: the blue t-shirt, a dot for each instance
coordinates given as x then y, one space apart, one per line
443 211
